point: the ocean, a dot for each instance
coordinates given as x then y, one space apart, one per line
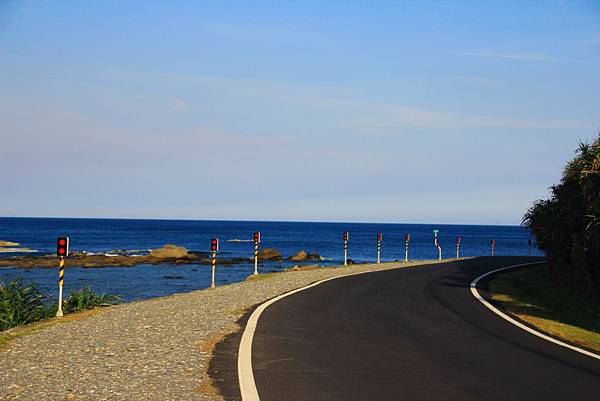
235 239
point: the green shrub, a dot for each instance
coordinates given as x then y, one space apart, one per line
567 225
22 304
87 299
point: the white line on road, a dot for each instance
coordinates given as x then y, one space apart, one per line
516 322
245 374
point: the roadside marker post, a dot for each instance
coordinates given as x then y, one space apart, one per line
437 243
457 247
378 248
256 241
529 246
345 248
406 241
62 250
214 247
493 246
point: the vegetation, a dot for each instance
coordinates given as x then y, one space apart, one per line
567 225
536 298
87 299
22 304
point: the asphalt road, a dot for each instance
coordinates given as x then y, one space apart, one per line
409 334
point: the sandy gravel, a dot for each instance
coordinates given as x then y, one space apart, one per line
150 350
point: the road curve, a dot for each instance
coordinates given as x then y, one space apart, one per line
409 334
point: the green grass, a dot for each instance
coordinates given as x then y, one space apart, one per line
85 299
21 304
535 297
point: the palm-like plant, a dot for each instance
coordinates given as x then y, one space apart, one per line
567 225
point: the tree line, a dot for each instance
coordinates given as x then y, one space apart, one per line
567 224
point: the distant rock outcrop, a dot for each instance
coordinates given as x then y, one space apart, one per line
269 254
8 243
170 251
303 256
299 257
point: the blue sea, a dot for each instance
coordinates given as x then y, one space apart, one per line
235 239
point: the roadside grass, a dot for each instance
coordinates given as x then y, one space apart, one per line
533 296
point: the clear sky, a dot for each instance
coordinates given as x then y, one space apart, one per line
439 112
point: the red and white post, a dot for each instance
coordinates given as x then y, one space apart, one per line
256 241
378 248
214 247
493 246
457 247
406 241
345 248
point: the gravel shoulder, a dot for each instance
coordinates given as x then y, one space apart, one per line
157 349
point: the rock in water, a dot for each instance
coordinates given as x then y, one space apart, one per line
8 243
269 254
170 251
299 257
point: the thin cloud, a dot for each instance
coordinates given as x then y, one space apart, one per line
534 57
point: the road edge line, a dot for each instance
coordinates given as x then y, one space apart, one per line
516 322
248 388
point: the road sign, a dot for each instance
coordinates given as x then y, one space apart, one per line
62 246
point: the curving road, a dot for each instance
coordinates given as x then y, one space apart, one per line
409 334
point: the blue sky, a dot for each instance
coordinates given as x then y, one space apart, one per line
433 112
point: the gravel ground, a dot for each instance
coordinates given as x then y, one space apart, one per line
157 349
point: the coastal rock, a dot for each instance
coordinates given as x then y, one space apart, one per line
8 243
303 256
299 257
269 254
170 251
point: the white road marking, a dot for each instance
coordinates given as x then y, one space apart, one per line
517 323
245 374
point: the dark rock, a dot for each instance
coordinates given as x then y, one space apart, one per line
269 254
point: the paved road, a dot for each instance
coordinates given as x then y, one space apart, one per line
410 334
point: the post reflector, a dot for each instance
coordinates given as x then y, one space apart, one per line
214 244
345 235
257 237
458 240
62 246
378 236
406 237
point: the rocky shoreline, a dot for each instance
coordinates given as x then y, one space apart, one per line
169 254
